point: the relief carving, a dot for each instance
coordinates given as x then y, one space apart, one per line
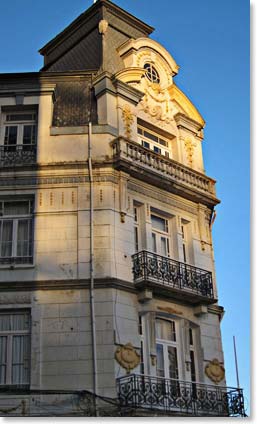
128 119
156 103
127 357
190 147
215 371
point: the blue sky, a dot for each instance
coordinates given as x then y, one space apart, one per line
210 42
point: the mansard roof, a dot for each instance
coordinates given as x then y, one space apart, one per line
80 46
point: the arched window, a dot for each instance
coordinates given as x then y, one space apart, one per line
151 73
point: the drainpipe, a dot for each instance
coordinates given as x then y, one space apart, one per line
92 299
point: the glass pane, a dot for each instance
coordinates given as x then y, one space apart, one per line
193 373
20 359
5 322
160 361
11 135
23 237
6 238
136 239
16 208
154 247
173 362
29 134
164 250
21 117
159 223
151 136
3 358
21 322
165 330
157 150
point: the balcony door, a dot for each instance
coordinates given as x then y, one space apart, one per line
160 235
167 350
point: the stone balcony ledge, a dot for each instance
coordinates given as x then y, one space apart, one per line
163 172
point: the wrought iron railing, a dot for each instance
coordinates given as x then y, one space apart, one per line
19 154
179 397
150 267
175 171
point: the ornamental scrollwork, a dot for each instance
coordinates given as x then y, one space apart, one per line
190 148
128 120
215 371
127 357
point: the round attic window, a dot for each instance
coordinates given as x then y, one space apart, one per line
151 73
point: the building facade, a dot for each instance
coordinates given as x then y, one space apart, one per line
108 296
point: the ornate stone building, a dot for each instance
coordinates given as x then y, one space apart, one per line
108 297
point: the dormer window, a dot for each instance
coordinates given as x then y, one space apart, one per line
151 73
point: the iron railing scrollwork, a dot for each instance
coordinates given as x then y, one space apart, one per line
181 397
18 154
149 266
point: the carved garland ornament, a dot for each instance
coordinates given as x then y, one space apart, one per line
215 371
128 119
190 147
127 357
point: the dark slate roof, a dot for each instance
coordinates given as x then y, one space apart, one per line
74 99
81 47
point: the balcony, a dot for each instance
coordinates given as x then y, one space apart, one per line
180 398
166 275
162 172
17 155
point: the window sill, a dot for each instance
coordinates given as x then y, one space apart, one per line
16 266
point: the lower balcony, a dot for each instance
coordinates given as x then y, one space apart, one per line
178 279
176 397
18 154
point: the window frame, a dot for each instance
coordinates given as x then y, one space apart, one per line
158 235
165 347
20 124
154 140
15 219
9 361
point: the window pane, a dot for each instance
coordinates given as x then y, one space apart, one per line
173 362
6 238
159 223
136 239
11 135
3 358
5 322
20 322
145 144
16 208
20 360
154 248
151 136
160 361
23 237
164 246
29 134
165 330
21 117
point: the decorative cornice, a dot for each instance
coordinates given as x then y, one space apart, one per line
157 195
190 110
108 282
